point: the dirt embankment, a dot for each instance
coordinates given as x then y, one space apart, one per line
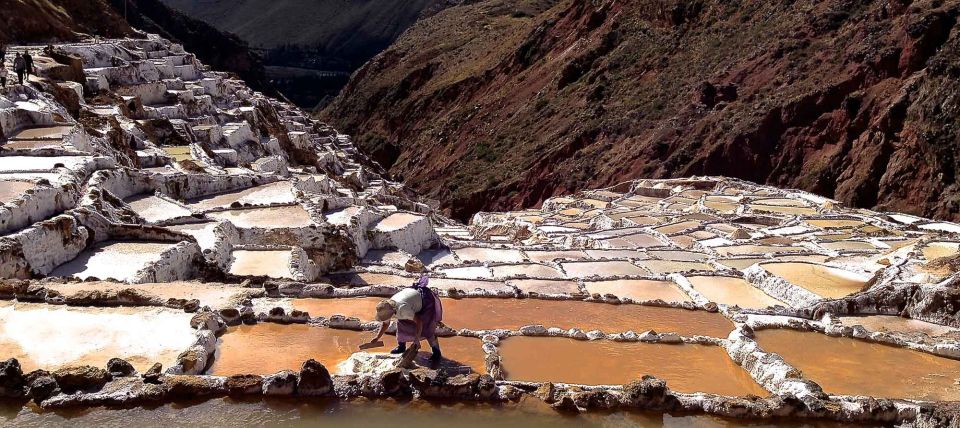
496 104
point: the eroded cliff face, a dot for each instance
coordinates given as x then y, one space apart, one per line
498 104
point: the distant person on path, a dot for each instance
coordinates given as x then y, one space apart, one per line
3 75
20 67
28 60
418 310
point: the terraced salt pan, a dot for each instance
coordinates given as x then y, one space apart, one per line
10 190
603 269
853 367
468 272
531 270
120 260
155 209
549 256
271 263
280 192
178 153
511 314
741 264
685 368
889 323
202 232
363 308
677 227
732 291
942 227
291 216
41 164
936 250
829 223
849 246
488 255
342 215
638 289
436 257
254 349
824 281
542 286
396 221
783 209
51 337
670 266
743 250
616 254
44 133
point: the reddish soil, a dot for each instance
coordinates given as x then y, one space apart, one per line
497 104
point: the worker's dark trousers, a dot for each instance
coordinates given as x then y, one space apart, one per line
20 76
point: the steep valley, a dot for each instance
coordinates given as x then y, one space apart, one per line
498 104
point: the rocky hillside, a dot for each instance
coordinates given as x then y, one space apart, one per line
51 21
496 104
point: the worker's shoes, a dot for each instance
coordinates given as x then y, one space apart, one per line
399 349
436 354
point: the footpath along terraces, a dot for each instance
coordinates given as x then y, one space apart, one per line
169 233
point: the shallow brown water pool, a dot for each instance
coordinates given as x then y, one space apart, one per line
511 314
266 348
825 281
854 367
228 412
685 368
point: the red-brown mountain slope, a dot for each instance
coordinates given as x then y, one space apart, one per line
496 104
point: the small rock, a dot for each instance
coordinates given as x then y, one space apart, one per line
231 316
533 330
414 265
83 378
191 306
12 383
280 383
314 379
209 321
153 374
118 367
711 307
240 385
670 338
42 386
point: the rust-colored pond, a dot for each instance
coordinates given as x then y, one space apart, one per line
227 412
266 348
364 308
511 314
639 289
732 291
685 368
825 281
853 367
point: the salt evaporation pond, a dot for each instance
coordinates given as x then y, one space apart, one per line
10 190
51 337
120 260
271 263
732 291
685 368
511 314
824 281
253 349
848 366
638 289
269 218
